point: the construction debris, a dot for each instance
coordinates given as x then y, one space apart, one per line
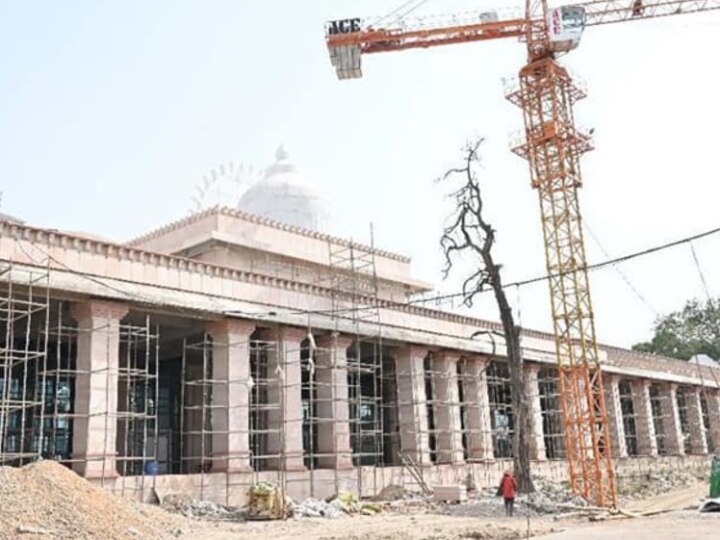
656 482
47 499
394 493
337 506
266 501
185 505
310 508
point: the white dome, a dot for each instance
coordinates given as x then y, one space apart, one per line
284 195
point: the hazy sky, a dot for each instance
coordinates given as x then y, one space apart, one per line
112 111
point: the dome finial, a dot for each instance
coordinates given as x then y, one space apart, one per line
281 154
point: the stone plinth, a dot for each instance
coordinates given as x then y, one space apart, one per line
230 394
412 403
96 388
448 428
333 410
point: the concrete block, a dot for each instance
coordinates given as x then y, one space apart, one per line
455 493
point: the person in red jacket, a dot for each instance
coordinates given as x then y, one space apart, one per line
508 490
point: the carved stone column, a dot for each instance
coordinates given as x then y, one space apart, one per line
647 444
713 403
96 387
230 394
532 393
412 403
285 417
480 443
448 427
333 410
698 442
671 420
615 416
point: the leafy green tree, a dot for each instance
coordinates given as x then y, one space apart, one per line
695 329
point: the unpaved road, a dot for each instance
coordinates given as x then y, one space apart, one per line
380 527
681 525
687 525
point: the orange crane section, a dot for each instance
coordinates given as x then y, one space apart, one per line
419 34
546 94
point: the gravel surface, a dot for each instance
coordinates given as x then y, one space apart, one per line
46 500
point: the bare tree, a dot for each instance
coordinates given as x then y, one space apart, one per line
470 235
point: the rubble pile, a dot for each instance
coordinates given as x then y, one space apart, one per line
194 508
47 500
337 506
551 497
395 493
310 508
656 482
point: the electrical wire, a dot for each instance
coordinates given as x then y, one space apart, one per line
700 272
622 274
538 279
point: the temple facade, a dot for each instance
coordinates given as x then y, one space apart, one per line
246 344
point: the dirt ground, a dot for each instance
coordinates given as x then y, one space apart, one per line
678 524
45 500
382 527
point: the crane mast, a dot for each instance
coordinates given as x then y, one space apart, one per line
546 94
553 146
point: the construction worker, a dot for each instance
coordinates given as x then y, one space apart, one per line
508 490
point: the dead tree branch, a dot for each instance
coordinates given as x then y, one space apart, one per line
470 236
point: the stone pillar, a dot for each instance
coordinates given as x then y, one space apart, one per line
96 387
671 419
448 428
412 403
333 409
698 442
615 416
644 427
480 443
285 417
532 393
230 394
713 403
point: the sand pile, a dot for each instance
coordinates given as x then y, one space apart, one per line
47 500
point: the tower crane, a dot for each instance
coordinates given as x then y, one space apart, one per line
546 94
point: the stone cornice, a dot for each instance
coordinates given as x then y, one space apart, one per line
616 356
259 220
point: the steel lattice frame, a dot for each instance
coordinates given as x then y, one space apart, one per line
553 146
